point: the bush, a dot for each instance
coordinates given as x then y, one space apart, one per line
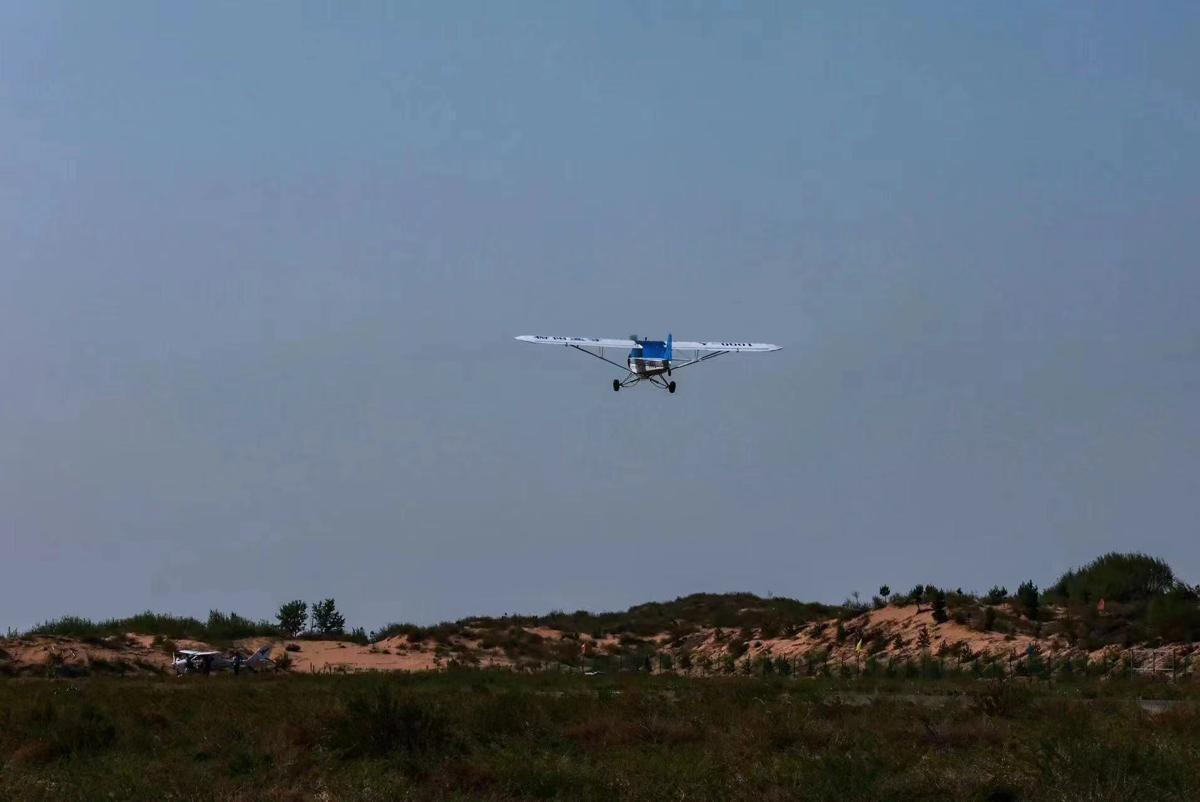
1027 597
412 632
1116 577
938 599
1174 616
220 626
231 626
382 723
70 729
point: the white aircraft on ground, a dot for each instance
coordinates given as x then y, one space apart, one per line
192 661
649 360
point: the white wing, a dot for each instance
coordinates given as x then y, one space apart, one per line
579 342
714 345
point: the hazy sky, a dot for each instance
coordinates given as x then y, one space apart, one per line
261 266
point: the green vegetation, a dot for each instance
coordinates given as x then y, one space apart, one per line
1125 599
326 620
723 610
1027 597
1116 578
1143 603
736 615
939 606
291 617
219 628
484 735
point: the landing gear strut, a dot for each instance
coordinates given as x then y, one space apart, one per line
633 378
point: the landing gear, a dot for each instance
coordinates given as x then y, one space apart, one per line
634 378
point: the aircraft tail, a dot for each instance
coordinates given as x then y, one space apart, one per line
263 655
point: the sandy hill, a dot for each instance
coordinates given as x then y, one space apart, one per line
1116 602
897 633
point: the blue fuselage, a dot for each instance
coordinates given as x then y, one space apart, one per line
652 358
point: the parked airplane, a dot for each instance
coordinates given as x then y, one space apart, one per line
650 360
191 661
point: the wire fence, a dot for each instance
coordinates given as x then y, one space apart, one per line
1170 664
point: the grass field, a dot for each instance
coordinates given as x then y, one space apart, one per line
497 735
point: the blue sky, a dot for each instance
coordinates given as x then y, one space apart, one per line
260 268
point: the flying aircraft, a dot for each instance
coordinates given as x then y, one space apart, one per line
650 360
190 661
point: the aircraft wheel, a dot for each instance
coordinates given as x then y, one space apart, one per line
671 387
616 385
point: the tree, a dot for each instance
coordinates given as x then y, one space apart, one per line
923 637
989 619
939 606
885 591
916 595
1116 577
292 616
1174 616
997 594
326 619
1027 597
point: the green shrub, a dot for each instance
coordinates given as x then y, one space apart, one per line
220 626
382 722
1027 597
1174 616
292 617
938 600
1115 577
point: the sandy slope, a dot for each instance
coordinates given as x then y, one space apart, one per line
900 628
43 654
892 632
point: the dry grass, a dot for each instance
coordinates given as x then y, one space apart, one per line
500 736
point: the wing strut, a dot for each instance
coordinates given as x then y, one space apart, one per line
598 356
705 358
